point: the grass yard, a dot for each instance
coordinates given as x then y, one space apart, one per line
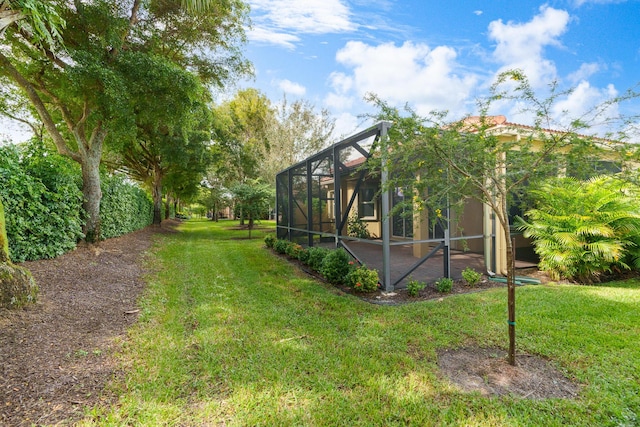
230 334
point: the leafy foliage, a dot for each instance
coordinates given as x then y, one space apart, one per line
252 200
125 207
582 229
270 240
41 193
470 276
414 287
335 266
444 285
42 203
281 246
363 279
316 257
356 227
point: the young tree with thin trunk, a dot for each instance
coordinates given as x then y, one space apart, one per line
445 162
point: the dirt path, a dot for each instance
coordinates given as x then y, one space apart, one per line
57 356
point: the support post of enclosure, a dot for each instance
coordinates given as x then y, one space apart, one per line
386 195
337 194
309 204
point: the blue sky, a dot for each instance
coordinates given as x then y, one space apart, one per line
437 54
440 55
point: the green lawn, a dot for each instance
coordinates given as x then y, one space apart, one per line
232 335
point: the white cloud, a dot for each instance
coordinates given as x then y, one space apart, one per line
585 71
588 104
264 35
578 3
346 124
278 20
338 102
289 87
426 78
522 45
341 82
477 12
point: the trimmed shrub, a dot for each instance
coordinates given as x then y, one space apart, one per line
124 208
293 250
281 246
270 240
335 266
471 277
363 279
316 257
303 255
42 200
414 287
444 285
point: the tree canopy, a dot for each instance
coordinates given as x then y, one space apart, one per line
81 92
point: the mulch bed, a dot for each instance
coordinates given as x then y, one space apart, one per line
57 355
401 296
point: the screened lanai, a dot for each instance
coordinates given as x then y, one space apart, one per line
330 197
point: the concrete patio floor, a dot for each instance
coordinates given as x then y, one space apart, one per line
431 270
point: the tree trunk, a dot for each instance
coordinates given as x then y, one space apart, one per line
92 196
17 286
511 283
156 194
167 206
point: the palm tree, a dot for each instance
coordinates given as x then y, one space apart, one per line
582 229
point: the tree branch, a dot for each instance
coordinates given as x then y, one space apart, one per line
39 106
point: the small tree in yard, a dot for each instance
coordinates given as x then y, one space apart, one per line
252 200
465 159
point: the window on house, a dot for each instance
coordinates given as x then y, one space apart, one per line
367 206
402 223
331 204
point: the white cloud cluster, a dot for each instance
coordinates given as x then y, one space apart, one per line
580 104
292 88
522 45
578 3
279 21
426 78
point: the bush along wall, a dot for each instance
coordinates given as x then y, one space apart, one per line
42 200
125 207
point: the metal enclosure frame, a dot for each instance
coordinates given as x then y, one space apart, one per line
308 215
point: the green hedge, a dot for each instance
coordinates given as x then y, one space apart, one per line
42 197
125 207
42 203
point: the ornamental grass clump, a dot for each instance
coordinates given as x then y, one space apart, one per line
471 277
363 279
335 266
